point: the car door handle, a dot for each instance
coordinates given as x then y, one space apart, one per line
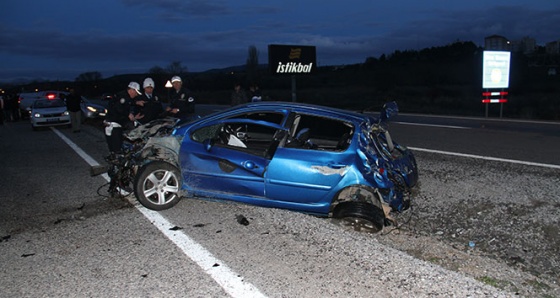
250 165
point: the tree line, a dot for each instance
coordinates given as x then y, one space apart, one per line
436 80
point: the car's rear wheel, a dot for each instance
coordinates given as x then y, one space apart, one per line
157 185
359 216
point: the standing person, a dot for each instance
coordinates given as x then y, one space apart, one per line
2 110
152 105
182 103
120 117
238 95
13 107
73 104
255 93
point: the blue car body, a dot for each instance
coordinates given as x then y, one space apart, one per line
294 156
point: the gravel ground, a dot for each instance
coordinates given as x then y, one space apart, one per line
493 221
509 213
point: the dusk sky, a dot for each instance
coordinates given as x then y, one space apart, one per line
60 39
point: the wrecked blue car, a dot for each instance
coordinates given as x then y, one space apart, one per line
302 157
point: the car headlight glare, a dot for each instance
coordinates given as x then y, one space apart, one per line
91 109
65 113
36 115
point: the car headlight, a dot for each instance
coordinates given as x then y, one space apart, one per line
37 115
65 113
91 109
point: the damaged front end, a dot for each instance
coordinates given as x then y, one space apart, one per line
149 142
155 141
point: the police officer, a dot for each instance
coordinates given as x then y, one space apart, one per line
181 100
120 117
151 108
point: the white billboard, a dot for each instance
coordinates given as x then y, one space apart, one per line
495 69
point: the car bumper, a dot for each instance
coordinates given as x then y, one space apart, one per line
54 121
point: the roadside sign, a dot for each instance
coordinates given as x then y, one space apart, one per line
495 69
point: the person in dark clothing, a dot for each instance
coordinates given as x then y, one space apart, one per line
182 104
13 108
2 110
152 107
238 95
120 117
73 104
255 93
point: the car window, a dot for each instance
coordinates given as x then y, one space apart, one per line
207 132
49 103
254 138
319 133
272 117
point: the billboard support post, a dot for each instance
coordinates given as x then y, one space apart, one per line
294 96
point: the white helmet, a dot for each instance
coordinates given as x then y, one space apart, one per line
135 86
176 79
148 82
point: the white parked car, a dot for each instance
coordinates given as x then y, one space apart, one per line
25 100
46 112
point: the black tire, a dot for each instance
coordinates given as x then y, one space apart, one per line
157 185
359 216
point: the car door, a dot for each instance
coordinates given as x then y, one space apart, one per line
309 172
305 175
229 157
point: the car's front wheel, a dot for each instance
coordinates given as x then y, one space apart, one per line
157 185
359 216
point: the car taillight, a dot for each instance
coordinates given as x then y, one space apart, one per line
51 96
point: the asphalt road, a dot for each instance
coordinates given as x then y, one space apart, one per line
528 141
59 235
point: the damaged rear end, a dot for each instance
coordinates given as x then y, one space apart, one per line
389 166
390 173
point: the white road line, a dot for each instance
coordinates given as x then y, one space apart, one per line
229 280
433 125
528 163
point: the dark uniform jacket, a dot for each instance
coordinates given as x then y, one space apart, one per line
119 108
184 101
152 108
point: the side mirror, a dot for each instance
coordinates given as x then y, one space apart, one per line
389 110
208 144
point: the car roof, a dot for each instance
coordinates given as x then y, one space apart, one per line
299 107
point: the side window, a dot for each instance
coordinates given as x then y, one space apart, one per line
272 117
248 137
204 133
320 133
